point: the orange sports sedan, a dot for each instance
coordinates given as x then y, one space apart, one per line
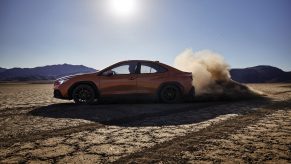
133 77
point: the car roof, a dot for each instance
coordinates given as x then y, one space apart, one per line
157 62
138 61
162 64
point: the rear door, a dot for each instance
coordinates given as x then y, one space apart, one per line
123 81
150 76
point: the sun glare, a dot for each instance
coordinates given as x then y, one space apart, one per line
123 8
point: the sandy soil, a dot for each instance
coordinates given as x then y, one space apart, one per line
36 128
26 95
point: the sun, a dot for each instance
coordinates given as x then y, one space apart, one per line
123 8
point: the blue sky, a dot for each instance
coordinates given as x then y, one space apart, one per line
246 32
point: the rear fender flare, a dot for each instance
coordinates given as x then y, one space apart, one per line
177 84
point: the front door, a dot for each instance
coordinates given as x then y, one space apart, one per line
121 81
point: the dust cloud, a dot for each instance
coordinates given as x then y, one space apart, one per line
211 75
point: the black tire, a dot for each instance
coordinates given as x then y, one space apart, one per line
84 94
170 94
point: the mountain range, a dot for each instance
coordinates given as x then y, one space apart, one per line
257 74
50 72
2 69
260 74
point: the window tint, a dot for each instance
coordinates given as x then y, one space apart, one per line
147 69
151 68
129 68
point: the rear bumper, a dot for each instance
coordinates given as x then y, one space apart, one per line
58 95
192 92
191 95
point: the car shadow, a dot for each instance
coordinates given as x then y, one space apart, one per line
148 114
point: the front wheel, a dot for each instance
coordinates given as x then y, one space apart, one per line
170 94
83 94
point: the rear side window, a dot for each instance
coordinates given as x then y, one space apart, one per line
147 69
151 68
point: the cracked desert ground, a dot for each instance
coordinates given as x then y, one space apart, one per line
36 128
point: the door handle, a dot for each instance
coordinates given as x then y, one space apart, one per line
132 78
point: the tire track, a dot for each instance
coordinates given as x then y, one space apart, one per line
173 151
7 112
124 121
169 151
4 142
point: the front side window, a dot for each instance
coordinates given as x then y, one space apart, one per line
125 69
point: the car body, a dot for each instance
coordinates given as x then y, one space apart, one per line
132 77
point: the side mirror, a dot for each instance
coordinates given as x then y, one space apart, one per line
108 73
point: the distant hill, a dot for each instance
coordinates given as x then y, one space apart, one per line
257 74
260 74
50 72
2 69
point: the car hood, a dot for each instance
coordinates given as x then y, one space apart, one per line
76 75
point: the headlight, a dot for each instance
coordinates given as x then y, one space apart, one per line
60 81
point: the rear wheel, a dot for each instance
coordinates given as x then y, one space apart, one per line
83 94
170 94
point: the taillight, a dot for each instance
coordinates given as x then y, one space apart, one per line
190 75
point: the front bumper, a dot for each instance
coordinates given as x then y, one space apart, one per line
58 95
